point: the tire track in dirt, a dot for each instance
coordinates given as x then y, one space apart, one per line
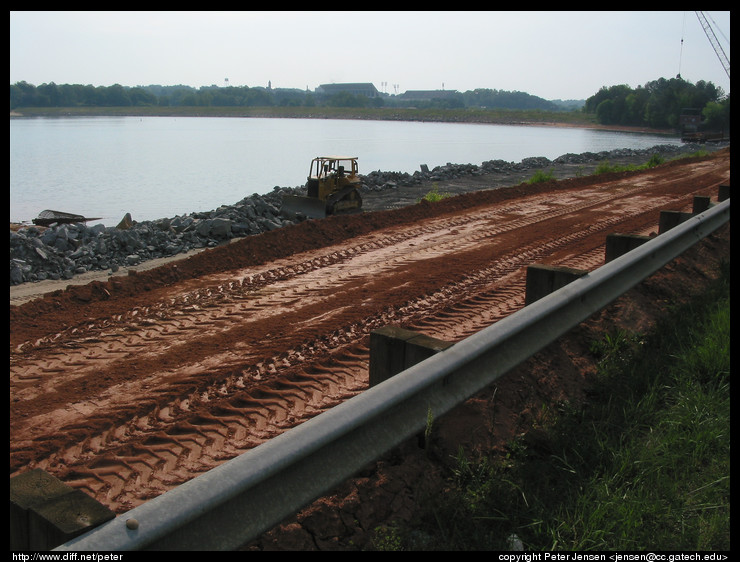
230 360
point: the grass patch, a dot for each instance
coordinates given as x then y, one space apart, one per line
541 176
655 160
605 167
644 465
434 195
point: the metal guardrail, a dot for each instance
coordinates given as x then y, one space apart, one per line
248 495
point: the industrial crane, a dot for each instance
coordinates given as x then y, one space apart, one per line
715 44
690 118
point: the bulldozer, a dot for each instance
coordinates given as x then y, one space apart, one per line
332 189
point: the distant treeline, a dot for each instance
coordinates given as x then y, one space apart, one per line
23 94
660 103
656 105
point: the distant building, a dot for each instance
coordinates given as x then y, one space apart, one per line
426 95
356 89
690 119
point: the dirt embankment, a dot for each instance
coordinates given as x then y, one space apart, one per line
128 387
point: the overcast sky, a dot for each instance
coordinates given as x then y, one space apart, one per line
554 55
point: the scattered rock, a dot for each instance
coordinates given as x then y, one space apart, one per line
126 222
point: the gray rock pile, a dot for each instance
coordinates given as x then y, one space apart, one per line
393 180
65 250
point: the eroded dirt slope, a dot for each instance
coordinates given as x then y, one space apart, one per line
129 387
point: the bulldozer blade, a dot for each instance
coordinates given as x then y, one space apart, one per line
309 206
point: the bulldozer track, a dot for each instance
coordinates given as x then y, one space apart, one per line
221 363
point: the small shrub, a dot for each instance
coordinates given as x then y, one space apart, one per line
655 160
604 167
541 176
434 195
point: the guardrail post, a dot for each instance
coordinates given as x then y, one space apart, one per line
723 192
45 512
27 490
394 349
669 219
618 244
544 279
701 204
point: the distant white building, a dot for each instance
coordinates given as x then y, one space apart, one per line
419 95
366 89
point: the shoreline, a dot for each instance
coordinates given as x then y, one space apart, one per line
615 128
495 117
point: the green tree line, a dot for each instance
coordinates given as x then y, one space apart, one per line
660 103
23 94
657 104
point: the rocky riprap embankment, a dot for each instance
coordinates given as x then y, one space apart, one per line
63 251
385 180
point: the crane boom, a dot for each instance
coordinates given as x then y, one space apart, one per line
715 44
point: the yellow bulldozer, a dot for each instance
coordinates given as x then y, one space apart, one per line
332 189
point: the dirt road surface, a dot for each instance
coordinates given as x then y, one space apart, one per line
127 387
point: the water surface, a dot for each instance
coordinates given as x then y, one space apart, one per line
156 167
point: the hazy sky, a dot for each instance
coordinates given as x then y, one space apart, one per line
554 55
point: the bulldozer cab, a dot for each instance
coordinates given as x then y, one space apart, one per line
329 174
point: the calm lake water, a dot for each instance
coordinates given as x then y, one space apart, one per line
154 167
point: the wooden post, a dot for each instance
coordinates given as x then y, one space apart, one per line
618 244
701 204
669 219
544 279
45 512
394 349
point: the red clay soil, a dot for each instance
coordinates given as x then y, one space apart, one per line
129 387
